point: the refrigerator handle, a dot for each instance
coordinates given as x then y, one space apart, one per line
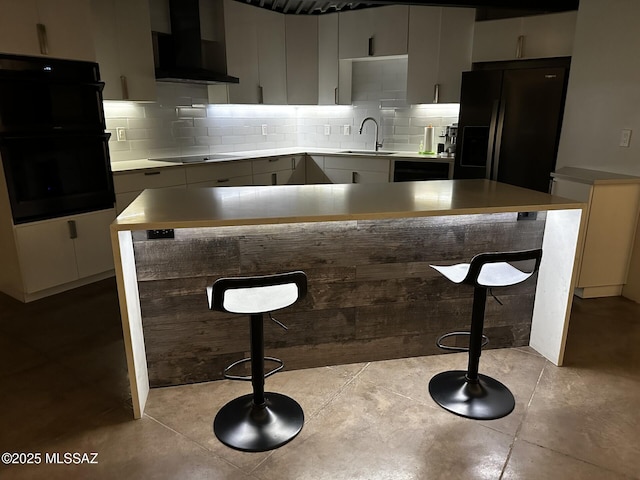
491 140
496 150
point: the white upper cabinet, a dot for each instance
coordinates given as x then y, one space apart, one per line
536 36
373 32
122 33
255 45
328 59
302 59
440 44
56 28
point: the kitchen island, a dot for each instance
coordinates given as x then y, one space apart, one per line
366 249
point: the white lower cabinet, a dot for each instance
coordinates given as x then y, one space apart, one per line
279 170
63 250
610 227
220 174
356 169
129 185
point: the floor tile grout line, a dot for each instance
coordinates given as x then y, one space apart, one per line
320 409
338 391
524 417
191 440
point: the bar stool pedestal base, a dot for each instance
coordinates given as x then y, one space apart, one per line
487 399
244 426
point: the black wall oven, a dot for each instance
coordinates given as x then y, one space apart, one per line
53 145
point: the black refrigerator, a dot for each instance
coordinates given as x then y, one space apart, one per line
509 125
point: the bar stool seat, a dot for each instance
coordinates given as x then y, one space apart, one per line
469 393
259 421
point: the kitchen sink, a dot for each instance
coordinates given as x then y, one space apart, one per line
366 152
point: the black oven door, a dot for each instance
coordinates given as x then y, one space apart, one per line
55 175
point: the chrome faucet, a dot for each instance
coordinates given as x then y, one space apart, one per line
377 144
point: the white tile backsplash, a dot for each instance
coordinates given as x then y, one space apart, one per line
177 125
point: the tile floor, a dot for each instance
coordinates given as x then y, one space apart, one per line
64 389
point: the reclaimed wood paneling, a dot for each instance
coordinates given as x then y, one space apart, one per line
372 294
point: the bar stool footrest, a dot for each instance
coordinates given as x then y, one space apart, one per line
247 378
439 344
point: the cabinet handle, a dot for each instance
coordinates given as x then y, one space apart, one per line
335 95
436 93
260 94
222 180
73 230
520 47
275 159
43 41
274 178
293 163
125 87
371 46
148 174
354 177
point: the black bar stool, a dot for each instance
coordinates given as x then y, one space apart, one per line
262 420
469 393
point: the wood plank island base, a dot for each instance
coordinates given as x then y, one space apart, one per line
366 249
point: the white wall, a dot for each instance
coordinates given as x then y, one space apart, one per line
603 96
180 123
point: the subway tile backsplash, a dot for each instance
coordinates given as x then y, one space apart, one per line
181 122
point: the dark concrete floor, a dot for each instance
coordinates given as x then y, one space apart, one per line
64 390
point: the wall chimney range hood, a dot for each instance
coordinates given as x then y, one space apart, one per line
183 56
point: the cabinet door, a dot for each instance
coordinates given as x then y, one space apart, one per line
279 171
373 32
219 173
128 72
67 24
18 19
496 39
456 44
328 59
47 256
241 41
613 213
272 60
356 169
354 32
93 242
422 64
130 184
302 59
549 35
69 28
389 30
314 170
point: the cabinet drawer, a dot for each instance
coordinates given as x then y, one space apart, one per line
158 178
240 181
218 172
275 164
357 163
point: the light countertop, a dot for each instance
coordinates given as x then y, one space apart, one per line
151 163
224 206
592 177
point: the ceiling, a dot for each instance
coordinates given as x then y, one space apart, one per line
316 7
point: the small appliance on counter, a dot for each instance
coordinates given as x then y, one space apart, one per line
447 148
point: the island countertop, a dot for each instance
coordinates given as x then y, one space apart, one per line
226 206
281 207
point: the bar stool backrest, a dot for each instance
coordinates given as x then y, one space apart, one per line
482 259
253 295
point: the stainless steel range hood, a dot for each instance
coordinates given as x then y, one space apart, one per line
183 56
